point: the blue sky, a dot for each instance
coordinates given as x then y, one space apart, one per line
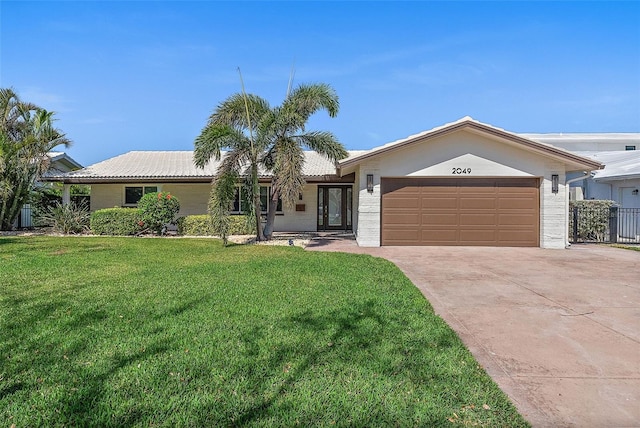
125 75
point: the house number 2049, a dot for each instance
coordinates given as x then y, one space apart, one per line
460 170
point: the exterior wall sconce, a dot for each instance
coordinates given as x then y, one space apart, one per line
555 181
370 183
634 192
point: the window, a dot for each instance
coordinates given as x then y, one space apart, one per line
134 193
629 147
240 201
265 193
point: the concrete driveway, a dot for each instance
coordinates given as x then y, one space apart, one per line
558 330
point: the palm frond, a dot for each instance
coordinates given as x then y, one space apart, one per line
287 171
233 111
324 143
212 140
307 99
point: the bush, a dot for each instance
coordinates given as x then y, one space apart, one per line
593 219
242 225
158 209
116 221
68 219
196 225
201 225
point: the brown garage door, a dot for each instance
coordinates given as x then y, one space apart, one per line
501 212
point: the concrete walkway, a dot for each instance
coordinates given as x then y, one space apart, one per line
558 330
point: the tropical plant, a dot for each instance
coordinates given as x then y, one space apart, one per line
27 135
234 125
68 219
158 209
286 129
272 139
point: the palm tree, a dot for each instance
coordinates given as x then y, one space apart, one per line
27 135
234 126
256 136
286 127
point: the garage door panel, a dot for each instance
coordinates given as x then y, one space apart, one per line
438 203
488 211
402 218
519 203
489 219
516 237
400 236
474 236
473 203
403 202
439 235
516 219
439 219
477 191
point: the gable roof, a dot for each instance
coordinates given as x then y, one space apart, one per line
467 123
170 166
59 163
619 165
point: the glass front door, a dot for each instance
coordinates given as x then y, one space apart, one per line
334 207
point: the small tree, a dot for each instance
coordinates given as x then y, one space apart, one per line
27 134
158 209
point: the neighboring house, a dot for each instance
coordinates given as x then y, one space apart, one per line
590 142
619 181
464 183
59 163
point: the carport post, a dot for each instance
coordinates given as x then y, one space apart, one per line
66 194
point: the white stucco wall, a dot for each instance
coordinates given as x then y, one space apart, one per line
481 157
300 221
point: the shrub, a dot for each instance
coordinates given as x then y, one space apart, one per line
202 225
68 219
116 221
242 225
158 209
593 218
196 225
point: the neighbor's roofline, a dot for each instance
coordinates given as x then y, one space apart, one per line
468 122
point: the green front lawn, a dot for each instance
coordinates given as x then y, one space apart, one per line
183 332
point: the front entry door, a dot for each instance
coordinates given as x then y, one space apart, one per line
334 207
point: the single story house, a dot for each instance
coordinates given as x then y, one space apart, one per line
463 183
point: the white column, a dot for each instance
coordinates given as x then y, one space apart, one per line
66 194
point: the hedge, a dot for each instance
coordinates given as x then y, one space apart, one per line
201 225
116 221
593 218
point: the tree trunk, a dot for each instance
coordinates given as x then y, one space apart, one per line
271 213
256 207
256 201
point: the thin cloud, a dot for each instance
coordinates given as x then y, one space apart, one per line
47 100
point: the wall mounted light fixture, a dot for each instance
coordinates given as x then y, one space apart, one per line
555 181
370 183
